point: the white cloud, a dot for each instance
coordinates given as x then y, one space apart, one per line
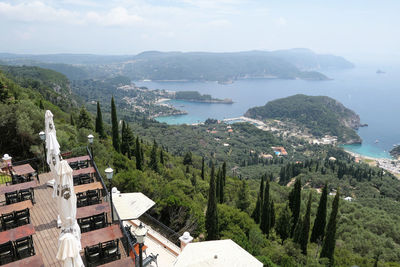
41 12
118 16
35 12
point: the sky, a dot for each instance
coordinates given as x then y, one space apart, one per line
359 29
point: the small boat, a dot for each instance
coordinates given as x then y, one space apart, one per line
376 141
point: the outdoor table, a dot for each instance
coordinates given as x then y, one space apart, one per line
16 233
23 169
92 210
91 238
85 187
81 158
16 187
33 261
15 207
84 171
119 263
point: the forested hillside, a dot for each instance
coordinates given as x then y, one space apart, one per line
322 115
52 85
266 212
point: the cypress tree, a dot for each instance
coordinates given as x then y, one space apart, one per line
224 172
217 185
221 188
295 203
138 155
272 217
305 232
243 201
127 140
162 156
193 180
212 213
99 122
202 168
328 246
84 120
153 164
283 225
114 122
71 118
318 230
265 215
124 145
187 159
257 210
297 231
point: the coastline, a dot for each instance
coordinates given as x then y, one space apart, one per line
161 100
390 165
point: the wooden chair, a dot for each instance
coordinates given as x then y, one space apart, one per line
85 224
11 197
93 197
85 179
74 165
6 253
76 180
26 194
8 221
22 217
93 255
81 200
83 164
24 247
110 251
99 221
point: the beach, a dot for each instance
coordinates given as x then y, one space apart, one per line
390 165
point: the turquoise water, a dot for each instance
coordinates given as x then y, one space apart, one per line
376 98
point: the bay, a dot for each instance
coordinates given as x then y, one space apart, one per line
375 97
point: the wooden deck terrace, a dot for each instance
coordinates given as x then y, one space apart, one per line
44 219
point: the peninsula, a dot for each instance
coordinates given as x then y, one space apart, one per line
316 115
194 96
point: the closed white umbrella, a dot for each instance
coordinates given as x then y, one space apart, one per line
52 147
69 243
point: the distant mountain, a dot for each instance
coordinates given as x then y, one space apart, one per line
201 66
322 115
221 67
305 59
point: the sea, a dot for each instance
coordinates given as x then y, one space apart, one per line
375 97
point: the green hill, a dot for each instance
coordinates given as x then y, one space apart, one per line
52 85
213 66
322 115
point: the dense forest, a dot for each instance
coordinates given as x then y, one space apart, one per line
320 114
281 211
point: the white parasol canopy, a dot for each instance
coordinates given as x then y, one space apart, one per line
131 206
69 243
214 254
